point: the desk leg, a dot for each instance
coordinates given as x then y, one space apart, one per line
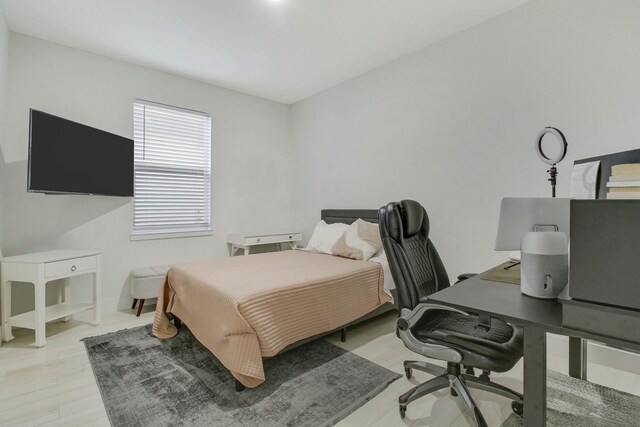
63 294
578 358
5 290
40 288
535 376
97 289
247 249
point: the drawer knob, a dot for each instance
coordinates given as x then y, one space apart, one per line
73 268
258 240
290 237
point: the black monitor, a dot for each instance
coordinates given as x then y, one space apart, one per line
66 157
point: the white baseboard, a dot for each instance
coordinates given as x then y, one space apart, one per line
598 353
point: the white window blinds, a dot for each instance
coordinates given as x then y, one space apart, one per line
172 169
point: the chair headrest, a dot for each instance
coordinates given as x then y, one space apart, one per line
414 218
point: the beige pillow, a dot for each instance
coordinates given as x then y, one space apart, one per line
360 241
325 236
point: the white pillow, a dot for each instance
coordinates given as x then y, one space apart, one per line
381 258
361 241
325 236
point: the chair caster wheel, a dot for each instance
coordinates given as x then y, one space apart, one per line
517 408
403 410
408 372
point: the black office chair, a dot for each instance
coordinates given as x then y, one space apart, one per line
440 332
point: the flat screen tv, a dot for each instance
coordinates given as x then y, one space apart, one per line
66 157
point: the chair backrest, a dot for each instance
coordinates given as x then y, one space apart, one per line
415 265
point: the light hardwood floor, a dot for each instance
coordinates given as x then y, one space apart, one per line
54 385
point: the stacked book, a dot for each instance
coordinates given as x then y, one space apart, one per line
624 182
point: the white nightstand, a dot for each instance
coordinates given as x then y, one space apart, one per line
41 268
245 241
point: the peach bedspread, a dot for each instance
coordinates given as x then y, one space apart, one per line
248 307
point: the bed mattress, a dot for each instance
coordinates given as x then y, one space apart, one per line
246 308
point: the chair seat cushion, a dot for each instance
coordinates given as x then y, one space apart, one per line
146 282
139 273
496 349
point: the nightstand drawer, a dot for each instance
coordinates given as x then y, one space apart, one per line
272 238
77 265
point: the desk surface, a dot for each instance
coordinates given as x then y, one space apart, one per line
503 300
48 256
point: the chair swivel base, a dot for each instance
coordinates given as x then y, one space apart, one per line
452 378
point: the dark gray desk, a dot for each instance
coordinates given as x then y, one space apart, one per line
537 317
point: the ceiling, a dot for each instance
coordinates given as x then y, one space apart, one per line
284 50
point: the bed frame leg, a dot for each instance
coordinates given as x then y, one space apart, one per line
343 335
239 386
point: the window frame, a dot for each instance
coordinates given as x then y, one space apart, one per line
175 230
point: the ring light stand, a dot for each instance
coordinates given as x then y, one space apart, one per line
553 172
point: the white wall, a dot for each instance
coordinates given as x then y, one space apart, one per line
453 125
4 51
250 161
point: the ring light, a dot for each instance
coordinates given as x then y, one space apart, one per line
553 172
563 146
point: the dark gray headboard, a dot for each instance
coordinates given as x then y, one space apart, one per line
348 216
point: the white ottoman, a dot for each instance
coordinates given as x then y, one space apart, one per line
146 283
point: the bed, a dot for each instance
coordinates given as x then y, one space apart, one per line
245 309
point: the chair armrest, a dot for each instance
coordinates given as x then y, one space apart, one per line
408 319
429 349
465 276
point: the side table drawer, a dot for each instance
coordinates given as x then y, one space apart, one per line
77 265
272 238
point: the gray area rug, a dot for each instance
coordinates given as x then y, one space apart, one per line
576 403
145 381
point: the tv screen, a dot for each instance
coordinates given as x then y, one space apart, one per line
71 158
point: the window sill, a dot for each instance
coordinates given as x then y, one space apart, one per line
169 235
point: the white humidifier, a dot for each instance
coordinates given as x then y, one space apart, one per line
544 269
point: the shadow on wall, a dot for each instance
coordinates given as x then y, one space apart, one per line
32 219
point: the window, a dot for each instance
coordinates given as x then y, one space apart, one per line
172 169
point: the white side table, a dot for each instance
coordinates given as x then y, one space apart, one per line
245 240
40 268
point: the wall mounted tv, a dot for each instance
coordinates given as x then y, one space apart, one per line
66 157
